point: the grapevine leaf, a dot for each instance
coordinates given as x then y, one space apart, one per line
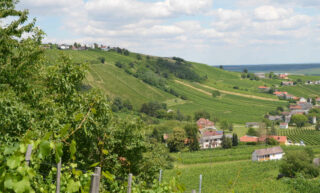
59 151
73 186
13 162
73 149
94 165
108 175
44 149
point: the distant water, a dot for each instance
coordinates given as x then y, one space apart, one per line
291 68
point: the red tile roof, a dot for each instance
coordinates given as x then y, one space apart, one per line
249 139
202 123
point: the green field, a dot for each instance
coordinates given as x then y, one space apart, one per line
230 171
308 135
236 108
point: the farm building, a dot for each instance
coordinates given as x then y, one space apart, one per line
264 88
284 126
287 83
248 139
260 75
273 153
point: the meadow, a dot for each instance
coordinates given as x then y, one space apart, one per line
230 170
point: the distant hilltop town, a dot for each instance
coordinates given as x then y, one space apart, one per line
77 46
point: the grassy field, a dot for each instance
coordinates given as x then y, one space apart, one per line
229 171
236 105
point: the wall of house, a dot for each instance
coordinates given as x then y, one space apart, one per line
254 157
276 156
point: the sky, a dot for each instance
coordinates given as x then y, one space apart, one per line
215 32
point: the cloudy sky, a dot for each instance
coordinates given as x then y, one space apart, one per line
216 32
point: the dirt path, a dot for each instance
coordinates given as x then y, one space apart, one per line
224 91
180 166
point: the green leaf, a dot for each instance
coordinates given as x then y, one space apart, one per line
94 165
65 130
9 181
13 162
73 186
78 117
59 151
47 136
108 175
22 186
105 152
73 149
44 149
23 148
93 110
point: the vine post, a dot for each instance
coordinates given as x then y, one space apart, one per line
28 154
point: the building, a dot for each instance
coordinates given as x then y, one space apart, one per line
275 118
260 75
264 88
280 94
281 139
284 125
248 139
212 139
283 76
287 83
205 124
303 100
273 153
254 125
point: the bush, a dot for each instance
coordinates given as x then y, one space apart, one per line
271 141
215 93
299 162
201 114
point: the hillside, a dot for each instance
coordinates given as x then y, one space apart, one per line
182 85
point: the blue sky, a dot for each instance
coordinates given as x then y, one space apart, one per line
216 32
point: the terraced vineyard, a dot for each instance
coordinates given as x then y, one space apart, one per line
307 135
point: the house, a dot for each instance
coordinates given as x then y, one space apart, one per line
275 118
280 94
305 105
273 153
283 76
284 125
63 47
260 75
212 139
287 83
289 97
303 100
255 125
314 120
205 124
264 88
295 107
248 139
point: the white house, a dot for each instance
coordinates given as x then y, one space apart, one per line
212 139
273 153
284 126
303 100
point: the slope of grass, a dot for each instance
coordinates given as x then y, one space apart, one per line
237 105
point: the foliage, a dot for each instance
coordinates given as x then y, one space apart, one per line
192 134
226 142
299 162
215 93
201 114
299 120
271 141
176 141
226 125
303 185
235 140
252 132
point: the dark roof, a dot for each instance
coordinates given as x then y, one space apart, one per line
268 151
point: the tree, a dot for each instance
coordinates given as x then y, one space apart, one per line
225 125
299 162
102 59
245 70
176 140
139 57
235 139
192 134
215 93
226 142
221 67
201 114
252 132
299 120
271 141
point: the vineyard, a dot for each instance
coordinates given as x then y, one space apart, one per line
308 136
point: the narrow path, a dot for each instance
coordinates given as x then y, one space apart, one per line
224 91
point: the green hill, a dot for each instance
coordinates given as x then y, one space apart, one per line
180 84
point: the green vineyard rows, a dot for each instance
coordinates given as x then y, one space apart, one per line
308 136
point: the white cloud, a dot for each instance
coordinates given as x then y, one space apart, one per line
268 13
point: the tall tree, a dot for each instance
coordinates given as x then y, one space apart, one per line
235 139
